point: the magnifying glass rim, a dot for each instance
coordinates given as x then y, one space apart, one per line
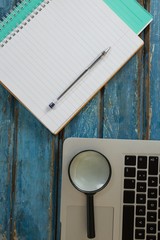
99 189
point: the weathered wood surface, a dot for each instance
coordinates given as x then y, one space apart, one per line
30 156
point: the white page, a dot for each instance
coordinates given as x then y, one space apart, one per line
48 54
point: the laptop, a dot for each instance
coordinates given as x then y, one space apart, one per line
128 207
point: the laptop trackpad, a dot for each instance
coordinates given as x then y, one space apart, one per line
77 226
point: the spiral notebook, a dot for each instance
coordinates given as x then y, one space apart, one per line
52 47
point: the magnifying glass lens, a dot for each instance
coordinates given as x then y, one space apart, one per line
89 171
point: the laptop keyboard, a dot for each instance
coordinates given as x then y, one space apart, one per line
141 198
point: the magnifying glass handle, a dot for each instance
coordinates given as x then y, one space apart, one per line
90 216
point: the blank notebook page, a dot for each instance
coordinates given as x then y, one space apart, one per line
55 47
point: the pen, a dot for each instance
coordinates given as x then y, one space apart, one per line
102 54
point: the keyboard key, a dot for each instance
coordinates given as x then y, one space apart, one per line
140 210
153 165
158 236
152 205
141 175
129 172
151 228
152 193
151 216
128 196
140 221
130 160
158 225
142 162
152 181
158 213
129 183
151 237
140 234
141 198
141 187
128 222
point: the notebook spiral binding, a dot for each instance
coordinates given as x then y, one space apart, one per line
24 22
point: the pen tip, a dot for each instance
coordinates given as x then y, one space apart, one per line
107 50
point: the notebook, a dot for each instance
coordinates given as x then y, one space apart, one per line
128 208
53 46
131 12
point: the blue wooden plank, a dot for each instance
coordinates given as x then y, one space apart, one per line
33 206
5 6
121 106
154 72
6 156
87 122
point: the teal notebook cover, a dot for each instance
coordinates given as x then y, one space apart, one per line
130 11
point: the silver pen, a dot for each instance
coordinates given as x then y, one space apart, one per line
102 54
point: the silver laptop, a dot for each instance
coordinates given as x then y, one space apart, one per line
128 206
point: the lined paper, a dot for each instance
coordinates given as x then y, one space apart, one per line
48 54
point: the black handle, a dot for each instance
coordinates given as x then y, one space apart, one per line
90 216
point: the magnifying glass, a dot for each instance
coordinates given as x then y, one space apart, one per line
89 172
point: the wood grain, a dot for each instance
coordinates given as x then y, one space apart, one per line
154 72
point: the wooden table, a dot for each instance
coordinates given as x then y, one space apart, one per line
30 156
